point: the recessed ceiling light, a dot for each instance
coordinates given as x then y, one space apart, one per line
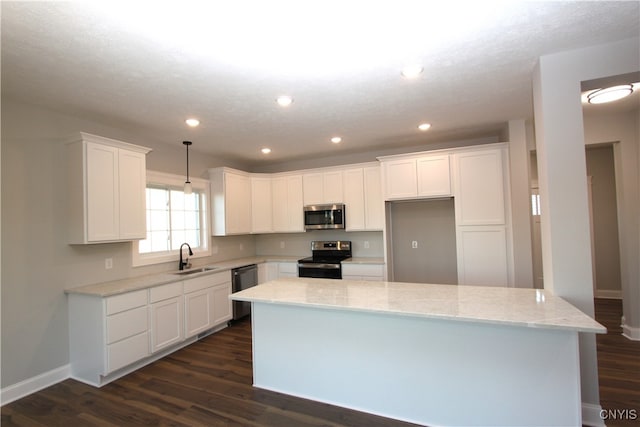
609 94
424 126
284 100
192 122
336 140
266 150
412 71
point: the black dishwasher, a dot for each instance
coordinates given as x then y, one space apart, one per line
243 278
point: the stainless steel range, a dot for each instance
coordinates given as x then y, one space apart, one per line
325 259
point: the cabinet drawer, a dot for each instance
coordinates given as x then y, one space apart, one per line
160 293
203 282
127 301
126 324
127 351
375 270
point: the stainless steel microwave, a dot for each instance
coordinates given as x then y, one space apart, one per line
324 217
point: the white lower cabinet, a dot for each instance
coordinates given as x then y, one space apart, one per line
288 269
166 316
126 331
370 272
267 271
482 256
112 336
206 302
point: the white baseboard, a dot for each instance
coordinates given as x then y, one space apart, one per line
591 415
31 385
607 294
631 333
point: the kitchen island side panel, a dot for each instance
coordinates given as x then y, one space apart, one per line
427 371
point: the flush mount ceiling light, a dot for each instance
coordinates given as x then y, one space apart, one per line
424 126
412 71
266 150
192 122
336 140
609 94
187 184
284 100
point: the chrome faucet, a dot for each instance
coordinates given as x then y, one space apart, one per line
185 264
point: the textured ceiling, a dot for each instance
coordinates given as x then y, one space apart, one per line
150 65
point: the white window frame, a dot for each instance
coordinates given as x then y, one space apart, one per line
177 181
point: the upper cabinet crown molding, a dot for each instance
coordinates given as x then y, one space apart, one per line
106 183
87 137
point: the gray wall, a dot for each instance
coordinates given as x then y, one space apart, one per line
299 244
431 223
600 167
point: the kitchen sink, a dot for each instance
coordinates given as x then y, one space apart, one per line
195 270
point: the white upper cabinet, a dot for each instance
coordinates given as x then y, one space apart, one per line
107 182
400 179
286 191
261 204
230 201
433 176
323 187
363 199
480 188
417 177
132 178
374 204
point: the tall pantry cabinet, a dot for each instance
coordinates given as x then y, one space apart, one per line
107 182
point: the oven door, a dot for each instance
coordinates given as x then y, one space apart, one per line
320 270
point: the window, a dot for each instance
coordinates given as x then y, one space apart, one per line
173 218
535 204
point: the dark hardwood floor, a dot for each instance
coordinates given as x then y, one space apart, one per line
618 367
209 384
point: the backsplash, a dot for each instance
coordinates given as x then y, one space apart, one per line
299 244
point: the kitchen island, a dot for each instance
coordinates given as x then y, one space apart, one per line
424 353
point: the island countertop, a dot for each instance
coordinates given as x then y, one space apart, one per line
532 308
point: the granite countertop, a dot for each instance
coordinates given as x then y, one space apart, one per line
363 260
532 308
116 287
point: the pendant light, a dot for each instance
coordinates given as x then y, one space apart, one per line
187 184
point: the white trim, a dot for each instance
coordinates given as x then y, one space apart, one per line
608 294
591 415
34 384
630 332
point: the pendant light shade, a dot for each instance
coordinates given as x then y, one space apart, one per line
187 184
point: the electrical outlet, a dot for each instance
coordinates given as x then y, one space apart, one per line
241 247
281 244
214 250
366 244
414 244
108 263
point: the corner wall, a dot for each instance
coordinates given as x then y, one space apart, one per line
562 176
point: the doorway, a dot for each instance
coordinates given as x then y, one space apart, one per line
604 217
